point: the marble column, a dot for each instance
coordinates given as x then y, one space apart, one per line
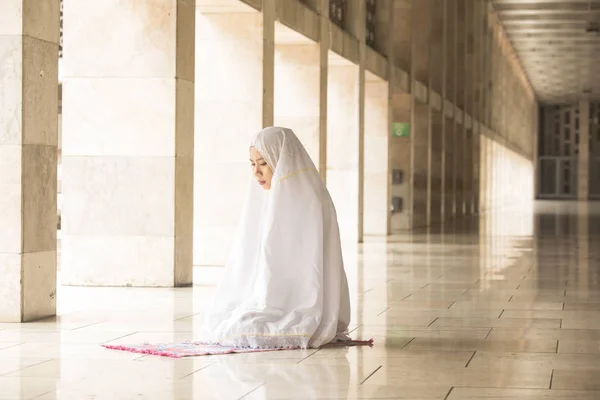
449 170
234 100
483 173
297 92
583 158
324 38
400 108
450 96
469 84
128 143
28 159
461 101
436 159
376 177
355 24
343 144
437 85
479 9
421 114
346 127
420 142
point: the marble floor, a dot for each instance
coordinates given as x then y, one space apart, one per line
506 306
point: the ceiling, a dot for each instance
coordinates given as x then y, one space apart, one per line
558 44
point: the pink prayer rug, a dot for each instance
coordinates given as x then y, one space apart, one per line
191 349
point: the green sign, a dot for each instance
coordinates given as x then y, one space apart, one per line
400 129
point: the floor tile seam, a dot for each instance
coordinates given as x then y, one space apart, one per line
371 374
471 359
449 393
120 337
65 385
195 371
488 351
87 326
12 346
28 366
253 390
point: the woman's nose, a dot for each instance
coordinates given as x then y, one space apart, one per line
256 170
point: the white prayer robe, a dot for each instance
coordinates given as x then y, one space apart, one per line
284 285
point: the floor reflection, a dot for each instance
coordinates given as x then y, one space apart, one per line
502 305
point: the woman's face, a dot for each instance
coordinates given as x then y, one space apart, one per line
261 170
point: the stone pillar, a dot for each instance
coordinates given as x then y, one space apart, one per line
478 37
238 45
399 61
343 144
437 85
583 159
536 151
324 25
461 102
28 159
436 158
297 93
488 70
128 143
449 170
421 124
378 124
450 96
376 178
483 176
357 18
421 114
469 82
346 128
269 15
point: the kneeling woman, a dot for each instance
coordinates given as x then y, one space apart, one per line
284 285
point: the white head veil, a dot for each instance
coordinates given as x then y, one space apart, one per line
284 284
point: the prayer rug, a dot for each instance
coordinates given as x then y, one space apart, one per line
191 349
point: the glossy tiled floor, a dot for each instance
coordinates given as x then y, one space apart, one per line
507 307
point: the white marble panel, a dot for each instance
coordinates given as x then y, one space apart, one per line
342 118
102 260
223 130
11 17
30 18
10 200
141 41
376 204
138 114
11 101
343 187
212 244
297 94
376 179
129 196
228 112
10 289
342 147
224 189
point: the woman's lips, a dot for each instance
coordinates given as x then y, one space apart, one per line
261 182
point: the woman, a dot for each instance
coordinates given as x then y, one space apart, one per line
284 285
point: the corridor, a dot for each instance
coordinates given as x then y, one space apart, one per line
512 312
